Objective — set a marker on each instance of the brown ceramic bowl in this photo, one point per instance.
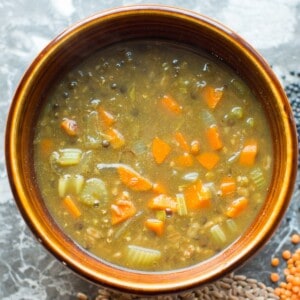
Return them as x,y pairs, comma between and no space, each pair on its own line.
138,22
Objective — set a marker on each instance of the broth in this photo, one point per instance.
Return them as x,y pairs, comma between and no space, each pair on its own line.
152,156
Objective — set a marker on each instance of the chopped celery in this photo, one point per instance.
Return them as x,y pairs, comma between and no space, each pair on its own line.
139,148
63,183
67,157
192,176
231,225
181,205
77,183
207,118
142,257
258,178
82,167
132,93
94,192
123,226
70,184
239,87
103,166
161,215
218,234
93,137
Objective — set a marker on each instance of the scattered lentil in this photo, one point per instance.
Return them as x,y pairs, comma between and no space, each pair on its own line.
286,254
275,262
274,277
295,238
289,289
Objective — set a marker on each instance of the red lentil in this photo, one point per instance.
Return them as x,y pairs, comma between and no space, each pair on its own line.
289,289
295,238
286,254
274,277
275,262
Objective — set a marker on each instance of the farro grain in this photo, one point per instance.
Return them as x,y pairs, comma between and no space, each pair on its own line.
231,287
251,280
223,285
240,277
261,285
216,294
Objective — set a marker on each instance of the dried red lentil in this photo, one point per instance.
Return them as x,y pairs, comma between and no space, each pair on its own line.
289,289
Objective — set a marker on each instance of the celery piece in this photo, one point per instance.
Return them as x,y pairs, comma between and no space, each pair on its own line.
124,225
258,178
192,176
218,234
92,135
94,192
77,183
70,184
231,225
207,118
132,92
161,215
69,156
181,205
142,257
63,185
239,87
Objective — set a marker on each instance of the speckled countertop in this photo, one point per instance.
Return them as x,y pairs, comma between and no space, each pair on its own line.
27,270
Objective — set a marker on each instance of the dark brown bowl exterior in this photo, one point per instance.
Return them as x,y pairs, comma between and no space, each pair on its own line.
146,22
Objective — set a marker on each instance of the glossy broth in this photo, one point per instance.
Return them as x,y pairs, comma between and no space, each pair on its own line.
152,156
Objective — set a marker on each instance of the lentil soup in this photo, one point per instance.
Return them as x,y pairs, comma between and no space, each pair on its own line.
152,156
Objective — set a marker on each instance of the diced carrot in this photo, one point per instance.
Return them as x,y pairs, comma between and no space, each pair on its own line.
182,142
248,153
155,225
214,138
159,188
115,137
208,159
171,104
197,196
162,201
69,126
184,160
237,207
71,206
228,186
133,180
106,117
121,211
195,147
191,194
46,147
212,96
160,150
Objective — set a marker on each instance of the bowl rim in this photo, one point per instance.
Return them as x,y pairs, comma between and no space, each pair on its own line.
123,283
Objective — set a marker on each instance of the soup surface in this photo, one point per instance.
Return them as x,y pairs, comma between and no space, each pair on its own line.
151,156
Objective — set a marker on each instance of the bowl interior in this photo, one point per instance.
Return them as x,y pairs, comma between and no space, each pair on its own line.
147,22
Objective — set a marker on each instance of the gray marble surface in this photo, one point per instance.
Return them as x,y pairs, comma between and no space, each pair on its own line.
27,270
